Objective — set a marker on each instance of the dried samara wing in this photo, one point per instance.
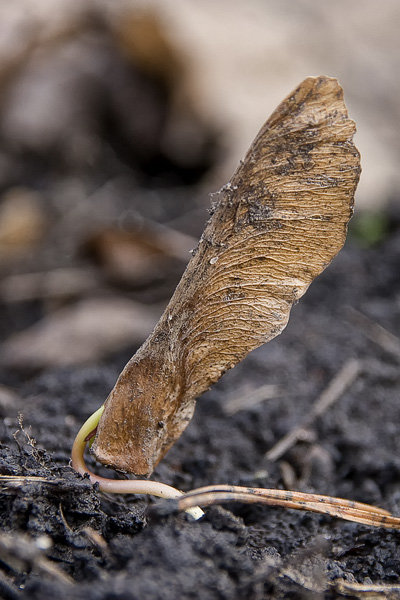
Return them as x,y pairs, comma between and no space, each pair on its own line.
275,226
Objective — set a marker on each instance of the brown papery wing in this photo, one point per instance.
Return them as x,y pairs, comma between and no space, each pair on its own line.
276,225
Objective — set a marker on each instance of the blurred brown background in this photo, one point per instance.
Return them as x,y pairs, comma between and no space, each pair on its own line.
117,119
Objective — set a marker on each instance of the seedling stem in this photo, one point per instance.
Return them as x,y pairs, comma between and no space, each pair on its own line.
218,494
119,486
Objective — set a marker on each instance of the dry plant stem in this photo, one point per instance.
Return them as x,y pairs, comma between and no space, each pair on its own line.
252,399
375,332
336,507
371,591
116,486
22,479
337,386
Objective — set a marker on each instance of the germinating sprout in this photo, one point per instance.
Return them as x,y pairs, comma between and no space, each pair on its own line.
119,486
274,227
190,502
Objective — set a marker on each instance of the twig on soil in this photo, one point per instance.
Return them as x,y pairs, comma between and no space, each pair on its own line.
252,399
371,591
175,243
337,386
18,480
96,539
21,553
63,519
375,332
48,285
349,510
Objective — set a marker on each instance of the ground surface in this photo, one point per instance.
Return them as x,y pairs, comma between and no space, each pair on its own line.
99,179
109,547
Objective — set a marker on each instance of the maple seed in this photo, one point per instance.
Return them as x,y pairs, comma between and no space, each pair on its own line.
275,226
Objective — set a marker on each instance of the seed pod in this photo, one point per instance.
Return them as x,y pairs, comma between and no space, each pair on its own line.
275,226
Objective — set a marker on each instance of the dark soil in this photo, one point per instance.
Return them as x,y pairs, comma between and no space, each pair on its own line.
114,547
60,537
